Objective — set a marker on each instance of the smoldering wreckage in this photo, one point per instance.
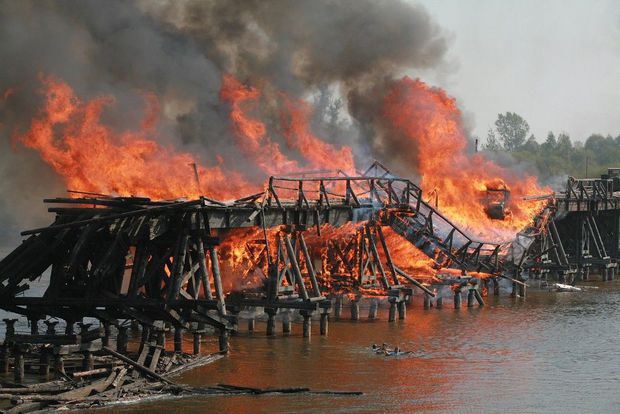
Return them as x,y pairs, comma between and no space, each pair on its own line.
153,250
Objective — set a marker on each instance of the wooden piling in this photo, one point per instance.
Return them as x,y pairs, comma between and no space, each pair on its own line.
457,299
478,297
107,333
4,359
392,313
427,301
355,309
470,298
307,331
286,322
217,278
251,324
271,322
51,327
338,307
224,341
402,310
146,333
18,365
59,364
496,286
178,339
34,326
88,361
372,310
10,326
324,323
44,361
196,343
121,339
69,329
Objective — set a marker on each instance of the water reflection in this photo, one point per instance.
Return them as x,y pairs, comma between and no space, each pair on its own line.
554,352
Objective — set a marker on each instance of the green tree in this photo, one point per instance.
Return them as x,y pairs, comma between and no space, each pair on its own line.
512,130
531,145
492,143
550,143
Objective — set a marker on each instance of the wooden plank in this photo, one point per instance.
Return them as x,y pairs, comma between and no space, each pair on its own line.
137,366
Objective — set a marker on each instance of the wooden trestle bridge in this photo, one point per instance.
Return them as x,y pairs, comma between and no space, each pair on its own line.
131,258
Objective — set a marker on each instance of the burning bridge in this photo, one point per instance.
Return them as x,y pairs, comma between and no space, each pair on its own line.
580,234
133,258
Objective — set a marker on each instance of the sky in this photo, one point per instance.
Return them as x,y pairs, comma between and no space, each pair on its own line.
555,63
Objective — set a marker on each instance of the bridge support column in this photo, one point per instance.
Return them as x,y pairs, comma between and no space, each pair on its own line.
372,310
34,326
324,323
121,340
496,286
107,333
392,314
18,368
427,301
271,321
286,322
338,307
457,298
224,342
196,343
51,327
470,298
4,359
307,331
402,310
178,339
355,309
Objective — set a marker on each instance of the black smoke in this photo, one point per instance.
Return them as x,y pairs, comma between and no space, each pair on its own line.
179,50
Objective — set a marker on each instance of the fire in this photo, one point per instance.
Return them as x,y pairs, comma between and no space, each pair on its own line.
71,137
261,149
250,133
431,121
90,156
409,258
320,154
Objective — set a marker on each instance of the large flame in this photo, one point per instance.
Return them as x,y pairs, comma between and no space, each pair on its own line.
264,151
431,122
90,156
250,133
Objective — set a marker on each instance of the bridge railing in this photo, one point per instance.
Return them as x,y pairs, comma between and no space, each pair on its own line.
589,188
391,193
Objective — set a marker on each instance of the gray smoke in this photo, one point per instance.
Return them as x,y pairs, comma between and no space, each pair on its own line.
179,50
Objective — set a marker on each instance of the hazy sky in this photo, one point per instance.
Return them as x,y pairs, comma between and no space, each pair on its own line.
556,63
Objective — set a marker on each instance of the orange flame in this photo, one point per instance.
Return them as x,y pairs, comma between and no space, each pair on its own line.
252,134
91,157
431,121
319,153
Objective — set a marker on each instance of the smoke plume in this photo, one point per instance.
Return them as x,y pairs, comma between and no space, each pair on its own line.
180,51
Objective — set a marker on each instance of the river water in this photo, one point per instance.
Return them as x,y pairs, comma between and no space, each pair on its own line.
553,352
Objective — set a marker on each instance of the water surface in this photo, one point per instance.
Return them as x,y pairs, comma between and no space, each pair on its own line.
553,352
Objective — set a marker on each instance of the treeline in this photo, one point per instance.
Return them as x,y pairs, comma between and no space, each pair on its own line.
557,155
